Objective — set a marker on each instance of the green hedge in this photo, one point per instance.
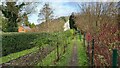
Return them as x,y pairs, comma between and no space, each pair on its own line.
15,42
58,38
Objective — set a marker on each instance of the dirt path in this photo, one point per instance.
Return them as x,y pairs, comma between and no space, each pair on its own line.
73,60
30,59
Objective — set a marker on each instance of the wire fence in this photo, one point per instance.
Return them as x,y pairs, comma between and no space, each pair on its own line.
101,51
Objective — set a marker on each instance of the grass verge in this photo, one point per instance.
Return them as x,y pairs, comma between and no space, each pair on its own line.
82,56
13,56
64,60
49,60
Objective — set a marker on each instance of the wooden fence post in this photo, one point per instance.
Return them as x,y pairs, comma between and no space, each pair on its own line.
93,52
64,49
57,52
114,58
84,39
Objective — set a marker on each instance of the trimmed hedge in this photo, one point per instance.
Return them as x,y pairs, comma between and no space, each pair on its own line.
15,42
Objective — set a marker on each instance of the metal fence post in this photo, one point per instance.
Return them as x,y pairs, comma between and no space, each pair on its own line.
80,35
93,52
114,58
88,51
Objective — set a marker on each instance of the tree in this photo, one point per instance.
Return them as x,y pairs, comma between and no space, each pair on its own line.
3,23
99,18
10,11
95,14
25,20
15,13
46,13
0,21
28,9
64,19
32,25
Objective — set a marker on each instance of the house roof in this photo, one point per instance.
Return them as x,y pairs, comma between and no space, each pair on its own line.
26,27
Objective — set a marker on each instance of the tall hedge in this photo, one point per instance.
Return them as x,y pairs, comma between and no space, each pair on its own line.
15,42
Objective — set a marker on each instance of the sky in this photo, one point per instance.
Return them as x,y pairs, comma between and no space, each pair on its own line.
62,7
59,8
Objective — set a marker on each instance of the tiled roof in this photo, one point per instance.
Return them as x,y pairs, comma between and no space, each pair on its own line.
26,27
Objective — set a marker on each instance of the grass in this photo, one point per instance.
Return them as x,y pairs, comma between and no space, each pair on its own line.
13,56
50,59
82,56
64,60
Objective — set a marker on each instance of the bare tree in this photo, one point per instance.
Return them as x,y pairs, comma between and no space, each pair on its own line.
94,14
100,19
46,13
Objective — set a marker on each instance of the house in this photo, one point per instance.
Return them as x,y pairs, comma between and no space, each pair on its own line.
24,29
66,26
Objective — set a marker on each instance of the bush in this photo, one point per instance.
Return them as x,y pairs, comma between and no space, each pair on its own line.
59,38
15,42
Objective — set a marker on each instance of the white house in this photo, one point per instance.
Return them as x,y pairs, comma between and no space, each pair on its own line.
66,26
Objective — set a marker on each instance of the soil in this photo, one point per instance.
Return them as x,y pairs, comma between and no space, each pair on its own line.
30,59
